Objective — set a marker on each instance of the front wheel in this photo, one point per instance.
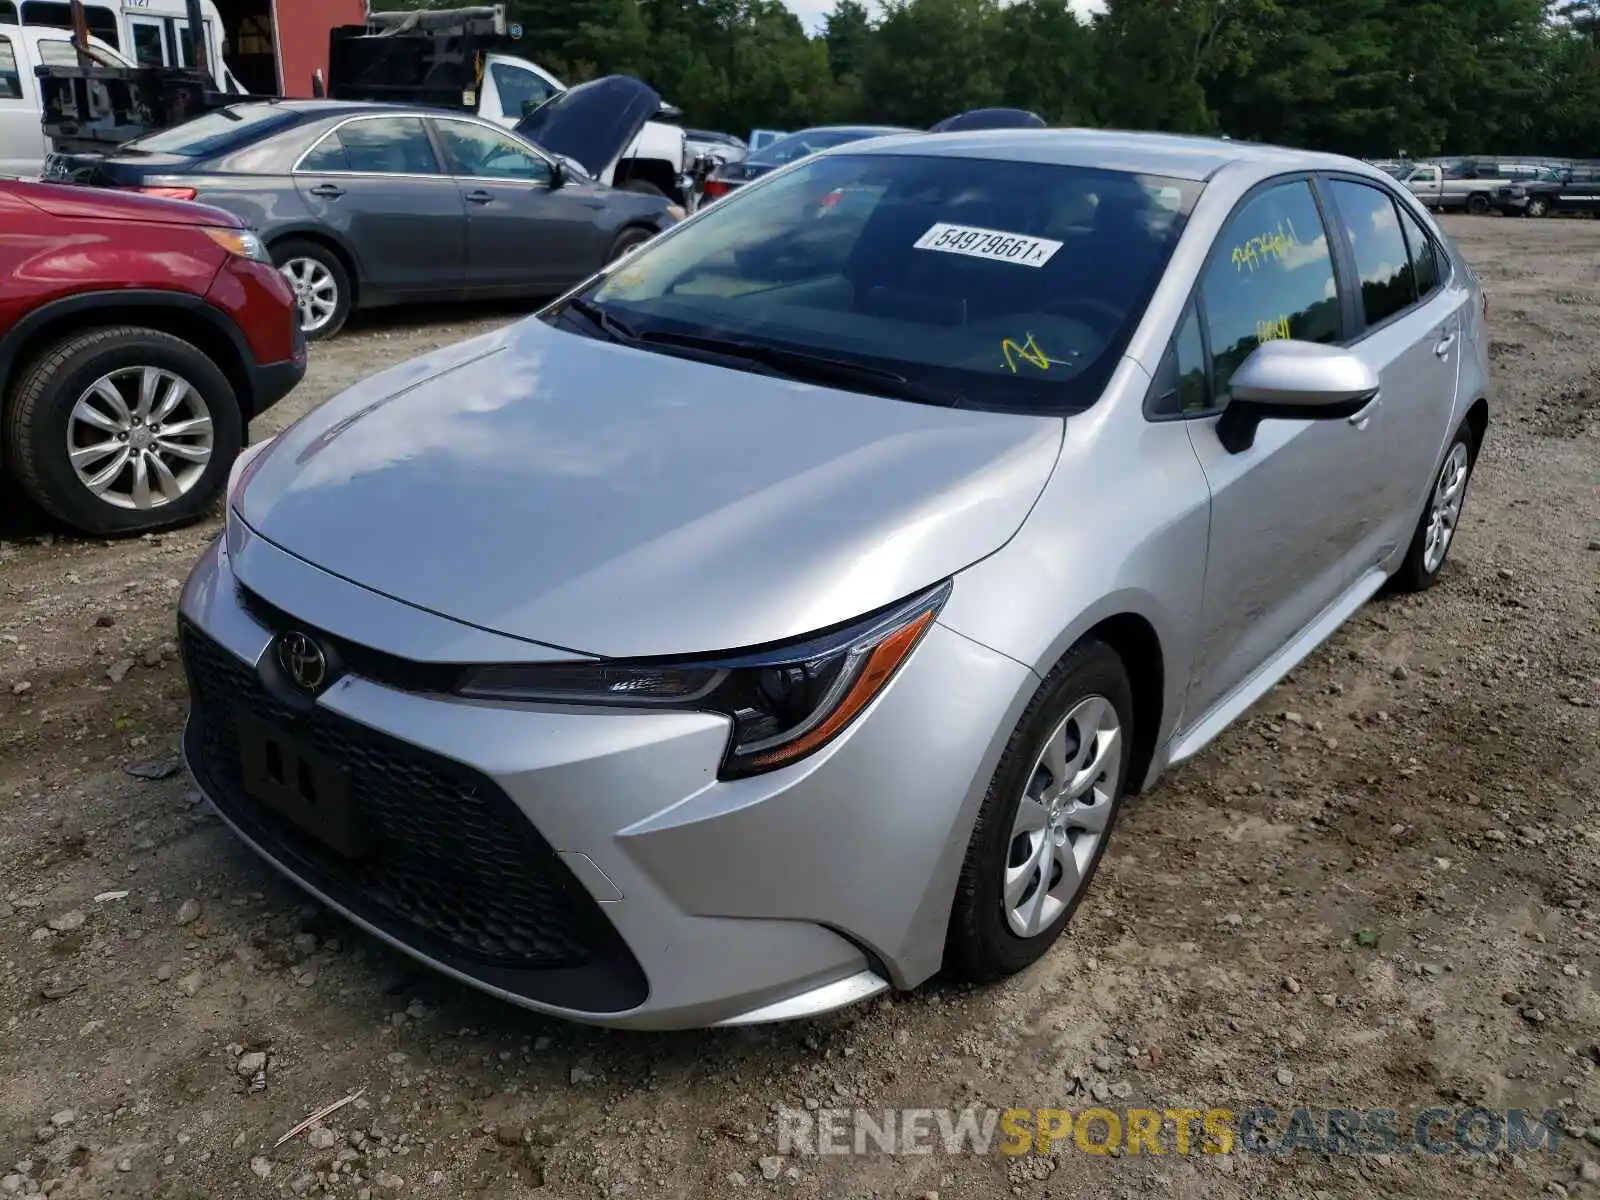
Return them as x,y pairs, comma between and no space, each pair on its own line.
122,430
1537,207
628,240
1045,822
322,290
1436,529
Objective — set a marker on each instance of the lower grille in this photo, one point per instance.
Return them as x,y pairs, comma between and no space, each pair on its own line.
451,867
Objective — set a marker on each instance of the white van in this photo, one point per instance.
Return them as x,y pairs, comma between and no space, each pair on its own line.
22,140
151,33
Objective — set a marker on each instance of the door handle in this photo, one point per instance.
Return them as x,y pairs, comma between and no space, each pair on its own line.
479,197
1442,346
327,191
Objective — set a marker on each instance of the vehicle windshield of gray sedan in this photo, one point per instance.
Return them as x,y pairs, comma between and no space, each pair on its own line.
986,284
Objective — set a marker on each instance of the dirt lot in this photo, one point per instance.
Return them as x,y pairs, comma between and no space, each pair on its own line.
1380,890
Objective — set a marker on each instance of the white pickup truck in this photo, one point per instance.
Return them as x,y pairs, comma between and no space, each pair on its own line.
22,48
1472,186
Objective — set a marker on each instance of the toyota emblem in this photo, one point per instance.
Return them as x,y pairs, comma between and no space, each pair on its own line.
302,661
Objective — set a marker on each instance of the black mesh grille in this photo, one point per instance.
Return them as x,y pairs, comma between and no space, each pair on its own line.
451,866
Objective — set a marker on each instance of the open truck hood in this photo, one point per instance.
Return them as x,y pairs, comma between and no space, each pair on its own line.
594,122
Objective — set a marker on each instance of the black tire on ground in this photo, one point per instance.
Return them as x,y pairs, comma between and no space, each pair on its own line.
289,250
1538,206
1414,574
1477,204
37,416
981,945
644,187
627,240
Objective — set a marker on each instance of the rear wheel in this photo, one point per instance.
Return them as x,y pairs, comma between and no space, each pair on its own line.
321,286
122,430
1436,529
1044,825
1477,204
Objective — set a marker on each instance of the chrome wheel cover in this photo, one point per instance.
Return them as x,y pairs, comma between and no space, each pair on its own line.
140,437
1062,817
316,292
1444,510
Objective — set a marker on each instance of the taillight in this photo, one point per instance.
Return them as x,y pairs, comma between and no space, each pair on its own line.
715,188
168,193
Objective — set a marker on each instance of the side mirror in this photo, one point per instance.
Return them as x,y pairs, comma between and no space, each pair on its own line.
558,174
1293,381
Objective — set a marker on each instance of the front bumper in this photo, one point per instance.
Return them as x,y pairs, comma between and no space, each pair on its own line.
598,869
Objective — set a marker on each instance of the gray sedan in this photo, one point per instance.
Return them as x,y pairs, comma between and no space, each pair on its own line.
787,612
364,205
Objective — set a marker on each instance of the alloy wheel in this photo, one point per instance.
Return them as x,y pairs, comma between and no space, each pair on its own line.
1062,816
316,292
140,437
1445,508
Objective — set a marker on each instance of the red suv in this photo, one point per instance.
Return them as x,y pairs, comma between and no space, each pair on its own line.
138,337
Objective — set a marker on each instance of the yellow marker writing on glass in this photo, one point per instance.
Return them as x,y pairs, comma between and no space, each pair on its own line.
1028,352
1272,331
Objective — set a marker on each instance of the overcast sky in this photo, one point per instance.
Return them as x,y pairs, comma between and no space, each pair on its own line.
811,12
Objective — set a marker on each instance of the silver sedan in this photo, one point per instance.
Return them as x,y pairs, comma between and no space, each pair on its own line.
786,612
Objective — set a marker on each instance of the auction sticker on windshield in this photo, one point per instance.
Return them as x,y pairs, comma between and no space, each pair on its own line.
993,244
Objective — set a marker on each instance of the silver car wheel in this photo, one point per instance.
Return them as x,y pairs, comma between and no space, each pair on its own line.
1445,508
1062,816
316,292
140,437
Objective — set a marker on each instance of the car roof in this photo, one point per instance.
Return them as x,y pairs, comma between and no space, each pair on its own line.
314,109
1178,156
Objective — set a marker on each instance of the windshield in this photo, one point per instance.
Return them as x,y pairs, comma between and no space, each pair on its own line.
216,131
999,284
797,145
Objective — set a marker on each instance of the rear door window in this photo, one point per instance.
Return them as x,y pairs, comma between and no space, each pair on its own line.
1270,277
1425,262
1382,263
375,146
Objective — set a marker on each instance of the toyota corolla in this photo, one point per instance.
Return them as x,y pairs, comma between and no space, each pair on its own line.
785,613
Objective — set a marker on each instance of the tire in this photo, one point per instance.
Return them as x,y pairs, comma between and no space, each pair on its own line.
644,187
313,270
1423,562
40,424
983,944
1477,204
626,240
1537,206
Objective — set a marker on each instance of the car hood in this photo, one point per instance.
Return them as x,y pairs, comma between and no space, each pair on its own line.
593,122
610,501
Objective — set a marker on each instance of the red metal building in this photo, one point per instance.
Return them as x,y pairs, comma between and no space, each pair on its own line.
300,30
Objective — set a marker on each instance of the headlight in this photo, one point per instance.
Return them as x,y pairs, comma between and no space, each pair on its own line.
785,703
241,243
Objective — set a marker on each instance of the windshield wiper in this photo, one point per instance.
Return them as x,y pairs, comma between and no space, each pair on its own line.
617,331
812,368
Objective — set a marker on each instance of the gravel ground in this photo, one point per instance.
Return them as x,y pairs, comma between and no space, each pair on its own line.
1377,890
